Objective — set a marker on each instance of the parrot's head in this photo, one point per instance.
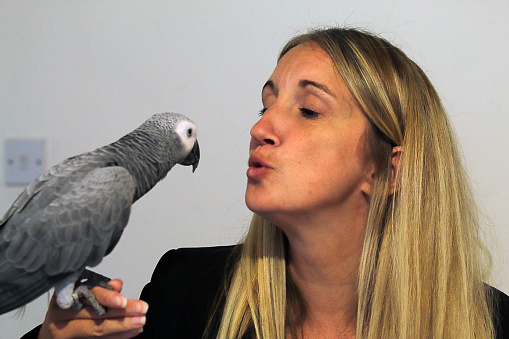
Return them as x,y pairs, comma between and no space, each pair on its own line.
179,134
186,130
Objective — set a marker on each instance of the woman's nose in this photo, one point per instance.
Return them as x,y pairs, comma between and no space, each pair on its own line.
264,132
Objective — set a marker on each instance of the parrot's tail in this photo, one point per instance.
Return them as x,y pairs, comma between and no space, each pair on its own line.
18,289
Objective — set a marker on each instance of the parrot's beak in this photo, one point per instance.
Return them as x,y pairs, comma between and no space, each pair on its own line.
193,158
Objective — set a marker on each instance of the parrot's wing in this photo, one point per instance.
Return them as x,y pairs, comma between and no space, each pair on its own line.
54,182
77,229
45,180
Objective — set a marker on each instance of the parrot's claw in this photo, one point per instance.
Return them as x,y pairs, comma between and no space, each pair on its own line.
85,293
87,281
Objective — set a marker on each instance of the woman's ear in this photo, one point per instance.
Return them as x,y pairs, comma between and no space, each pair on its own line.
367,187
395,157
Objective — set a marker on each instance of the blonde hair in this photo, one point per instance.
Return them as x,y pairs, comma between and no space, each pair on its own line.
423,264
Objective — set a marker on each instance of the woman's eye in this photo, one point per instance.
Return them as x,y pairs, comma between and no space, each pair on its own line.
309,114
260,113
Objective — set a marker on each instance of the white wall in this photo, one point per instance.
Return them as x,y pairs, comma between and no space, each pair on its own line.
83,73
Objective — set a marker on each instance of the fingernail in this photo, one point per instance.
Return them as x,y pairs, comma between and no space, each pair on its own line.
120,301
139,320
143,307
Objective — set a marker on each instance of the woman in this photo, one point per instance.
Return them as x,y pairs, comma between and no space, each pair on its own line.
364,223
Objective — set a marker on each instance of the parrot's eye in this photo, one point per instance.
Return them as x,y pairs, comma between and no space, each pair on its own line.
189,132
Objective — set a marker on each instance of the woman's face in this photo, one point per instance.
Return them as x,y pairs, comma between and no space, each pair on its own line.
307,150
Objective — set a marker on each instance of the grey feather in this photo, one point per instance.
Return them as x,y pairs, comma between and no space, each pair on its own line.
73,215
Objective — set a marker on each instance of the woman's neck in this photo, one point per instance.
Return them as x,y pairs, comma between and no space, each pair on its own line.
323,263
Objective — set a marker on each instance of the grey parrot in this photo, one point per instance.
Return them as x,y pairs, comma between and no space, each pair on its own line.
73,215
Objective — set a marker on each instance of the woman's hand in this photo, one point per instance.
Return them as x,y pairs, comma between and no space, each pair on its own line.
123,319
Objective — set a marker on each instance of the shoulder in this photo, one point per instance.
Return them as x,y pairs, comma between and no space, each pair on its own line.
191,261
185,289
500,313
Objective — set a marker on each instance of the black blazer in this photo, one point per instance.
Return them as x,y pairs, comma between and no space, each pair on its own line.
185,288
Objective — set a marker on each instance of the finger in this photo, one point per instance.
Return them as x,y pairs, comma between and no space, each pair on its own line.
116,284
109,298
133,308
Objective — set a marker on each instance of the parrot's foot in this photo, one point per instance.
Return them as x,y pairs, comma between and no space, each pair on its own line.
86,282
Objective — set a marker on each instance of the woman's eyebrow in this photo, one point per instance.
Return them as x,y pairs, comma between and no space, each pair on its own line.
302,84
305,83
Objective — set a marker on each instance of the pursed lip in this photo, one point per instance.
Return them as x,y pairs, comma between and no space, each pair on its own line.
257,167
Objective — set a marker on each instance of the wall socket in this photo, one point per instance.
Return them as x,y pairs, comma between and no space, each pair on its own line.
25,160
